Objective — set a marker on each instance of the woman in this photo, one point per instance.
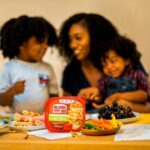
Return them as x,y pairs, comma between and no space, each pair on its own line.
81,36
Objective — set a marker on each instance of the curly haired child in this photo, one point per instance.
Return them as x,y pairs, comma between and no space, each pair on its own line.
121,82
26,82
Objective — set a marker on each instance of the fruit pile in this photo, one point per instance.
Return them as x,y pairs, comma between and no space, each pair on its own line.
119,111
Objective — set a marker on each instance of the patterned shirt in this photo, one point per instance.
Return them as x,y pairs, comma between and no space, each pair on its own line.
131,80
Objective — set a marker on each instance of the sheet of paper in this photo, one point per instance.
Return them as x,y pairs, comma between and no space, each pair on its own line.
133,132
49,135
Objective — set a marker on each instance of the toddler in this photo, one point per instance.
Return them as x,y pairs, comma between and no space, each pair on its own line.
121,82
26,82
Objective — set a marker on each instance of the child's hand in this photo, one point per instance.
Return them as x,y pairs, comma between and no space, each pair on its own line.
112,98
18,87
91,93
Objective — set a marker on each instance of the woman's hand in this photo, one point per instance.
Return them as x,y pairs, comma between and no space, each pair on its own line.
98,105
91,94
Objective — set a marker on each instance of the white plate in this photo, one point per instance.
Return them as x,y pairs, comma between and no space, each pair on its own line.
2,126
30,128
132,119
92,116
126,120
7,115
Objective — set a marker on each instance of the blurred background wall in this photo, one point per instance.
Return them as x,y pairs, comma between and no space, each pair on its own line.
131,17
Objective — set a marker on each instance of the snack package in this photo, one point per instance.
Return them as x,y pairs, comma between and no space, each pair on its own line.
65,114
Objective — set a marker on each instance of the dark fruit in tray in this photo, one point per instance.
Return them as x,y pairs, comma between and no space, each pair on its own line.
119,111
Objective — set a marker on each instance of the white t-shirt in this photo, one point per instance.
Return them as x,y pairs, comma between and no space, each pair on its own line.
40,82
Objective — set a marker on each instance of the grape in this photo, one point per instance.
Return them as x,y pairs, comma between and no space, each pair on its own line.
119,111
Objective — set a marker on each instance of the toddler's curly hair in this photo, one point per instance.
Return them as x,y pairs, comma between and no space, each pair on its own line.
16,31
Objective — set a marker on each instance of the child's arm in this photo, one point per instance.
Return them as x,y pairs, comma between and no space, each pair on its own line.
134,96
138,96
137,107
53,86
6,98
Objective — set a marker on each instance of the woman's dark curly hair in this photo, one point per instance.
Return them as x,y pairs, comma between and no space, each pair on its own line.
16,31
100,30
122,46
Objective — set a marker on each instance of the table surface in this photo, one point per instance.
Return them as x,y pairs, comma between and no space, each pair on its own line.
18,141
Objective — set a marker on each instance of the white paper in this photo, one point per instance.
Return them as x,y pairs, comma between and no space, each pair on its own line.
92,116
49,135
133,132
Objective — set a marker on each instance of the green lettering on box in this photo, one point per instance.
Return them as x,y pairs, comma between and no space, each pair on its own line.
59,118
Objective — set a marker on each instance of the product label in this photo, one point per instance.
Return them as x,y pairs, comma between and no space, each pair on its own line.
65,114
59,108
54,117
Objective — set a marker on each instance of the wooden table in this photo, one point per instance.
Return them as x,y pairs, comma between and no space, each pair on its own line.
17,141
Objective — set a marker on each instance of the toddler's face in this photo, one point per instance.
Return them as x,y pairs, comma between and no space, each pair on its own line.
33,50
79,41
114,65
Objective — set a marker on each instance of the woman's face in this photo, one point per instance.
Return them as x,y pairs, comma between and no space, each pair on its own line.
79,41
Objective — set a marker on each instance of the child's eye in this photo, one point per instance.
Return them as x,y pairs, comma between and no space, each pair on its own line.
104,65
78,38
113,61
